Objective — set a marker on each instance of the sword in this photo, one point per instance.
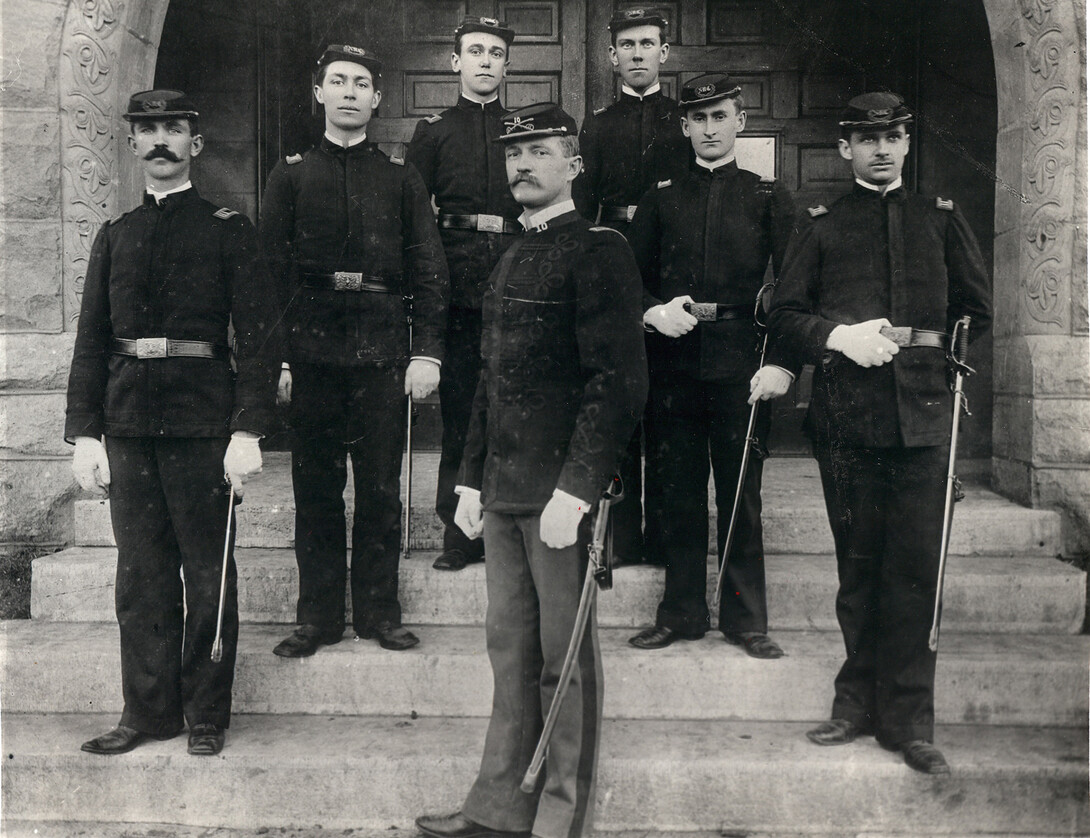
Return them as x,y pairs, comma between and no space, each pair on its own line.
217,644
959,346
751,442
408,510
599,575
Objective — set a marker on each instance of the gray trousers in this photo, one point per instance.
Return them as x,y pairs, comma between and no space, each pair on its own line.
533,597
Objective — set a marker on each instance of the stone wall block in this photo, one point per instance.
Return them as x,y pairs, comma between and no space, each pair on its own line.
30,187
30,298
33,424
1008,187
1013,479
1012,428
1061,432
36,500
1061,365
30,36
1069,491
1012,367
31,361
1008,313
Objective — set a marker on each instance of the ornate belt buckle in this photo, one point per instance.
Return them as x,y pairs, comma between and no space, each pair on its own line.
347,281
489,224
701,311
630,211
900,335
151,347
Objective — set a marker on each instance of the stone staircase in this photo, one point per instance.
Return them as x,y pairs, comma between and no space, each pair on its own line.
698,737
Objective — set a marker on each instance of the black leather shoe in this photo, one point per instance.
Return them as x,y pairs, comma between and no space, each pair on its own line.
924,757
389,636
757,644
121,740
305,641
459,826
455,559
834,732
206,740
659,637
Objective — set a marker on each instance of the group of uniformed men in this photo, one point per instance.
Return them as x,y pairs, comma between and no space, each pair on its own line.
555,299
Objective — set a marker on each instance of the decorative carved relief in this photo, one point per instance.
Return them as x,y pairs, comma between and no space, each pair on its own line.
88,80
1048,163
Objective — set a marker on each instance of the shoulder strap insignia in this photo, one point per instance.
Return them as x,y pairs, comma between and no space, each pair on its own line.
662,184
397,161
602,109
944,204
767,179
292,159
435,117
606,230
223,212
818,211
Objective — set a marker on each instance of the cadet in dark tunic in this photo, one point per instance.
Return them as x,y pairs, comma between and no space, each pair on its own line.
880,416
350,234
707,237
463,169
151,375
563,384
627,148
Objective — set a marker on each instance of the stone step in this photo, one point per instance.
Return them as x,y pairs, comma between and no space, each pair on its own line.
1015,594
984,679
794,514
330,772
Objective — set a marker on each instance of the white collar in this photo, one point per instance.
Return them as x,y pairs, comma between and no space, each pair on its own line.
158,196
472,97
337,142
875,188
718,164
628,91
529,221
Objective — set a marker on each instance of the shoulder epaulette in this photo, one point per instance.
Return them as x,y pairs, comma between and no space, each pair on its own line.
818,211
223,212
292,159
435,117
662,184
944,204
397,161
602,109
767,179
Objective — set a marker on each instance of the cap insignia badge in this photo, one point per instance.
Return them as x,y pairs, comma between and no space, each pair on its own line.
351,50
705,90
879,114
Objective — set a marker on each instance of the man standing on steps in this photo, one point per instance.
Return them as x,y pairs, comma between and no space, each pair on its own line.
563,384
707,237
880,415
627,148
464,171
351,237
158,418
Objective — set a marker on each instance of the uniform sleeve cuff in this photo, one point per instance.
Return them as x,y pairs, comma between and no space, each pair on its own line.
435,361
466,490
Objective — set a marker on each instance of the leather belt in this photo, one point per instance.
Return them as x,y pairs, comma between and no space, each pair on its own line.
167,348
719,311
479,222
907,338
349,281
617,213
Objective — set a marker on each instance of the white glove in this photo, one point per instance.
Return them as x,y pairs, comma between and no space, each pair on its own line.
91,465
862,343
421,378
242,459
670,318
769,382
283,389
560,519
469,516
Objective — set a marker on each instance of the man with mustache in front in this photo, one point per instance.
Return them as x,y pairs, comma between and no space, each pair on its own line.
563,383
158,417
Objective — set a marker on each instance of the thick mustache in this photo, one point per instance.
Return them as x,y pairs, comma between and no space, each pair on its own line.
517,179
165,153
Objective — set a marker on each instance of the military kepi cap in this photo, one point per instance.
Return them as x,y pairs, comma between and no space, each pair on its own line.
347,52
545,119
875,110
710,87
160,104
627,18
485,24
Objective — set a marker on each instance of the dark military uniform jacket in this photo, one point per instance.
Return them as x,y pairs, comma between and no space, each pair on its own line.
911,259
565,374
465,171
627,148
709,234
336,209
183,271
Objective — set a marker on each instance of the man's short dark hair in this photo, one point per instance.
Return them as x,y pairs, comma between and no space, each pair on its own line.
613,35
194,125
458,43
319,77
846,131
738,99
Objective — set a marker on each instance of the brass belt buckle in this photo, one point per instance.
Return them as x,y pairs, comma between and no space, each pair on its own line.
347,281
489,223
630,211
151,347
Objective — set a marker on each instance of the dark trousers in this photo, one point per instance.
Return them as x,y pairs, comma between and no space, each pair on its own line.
533,598
169,507
340,412
885,509
626,517
457,384
686,419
